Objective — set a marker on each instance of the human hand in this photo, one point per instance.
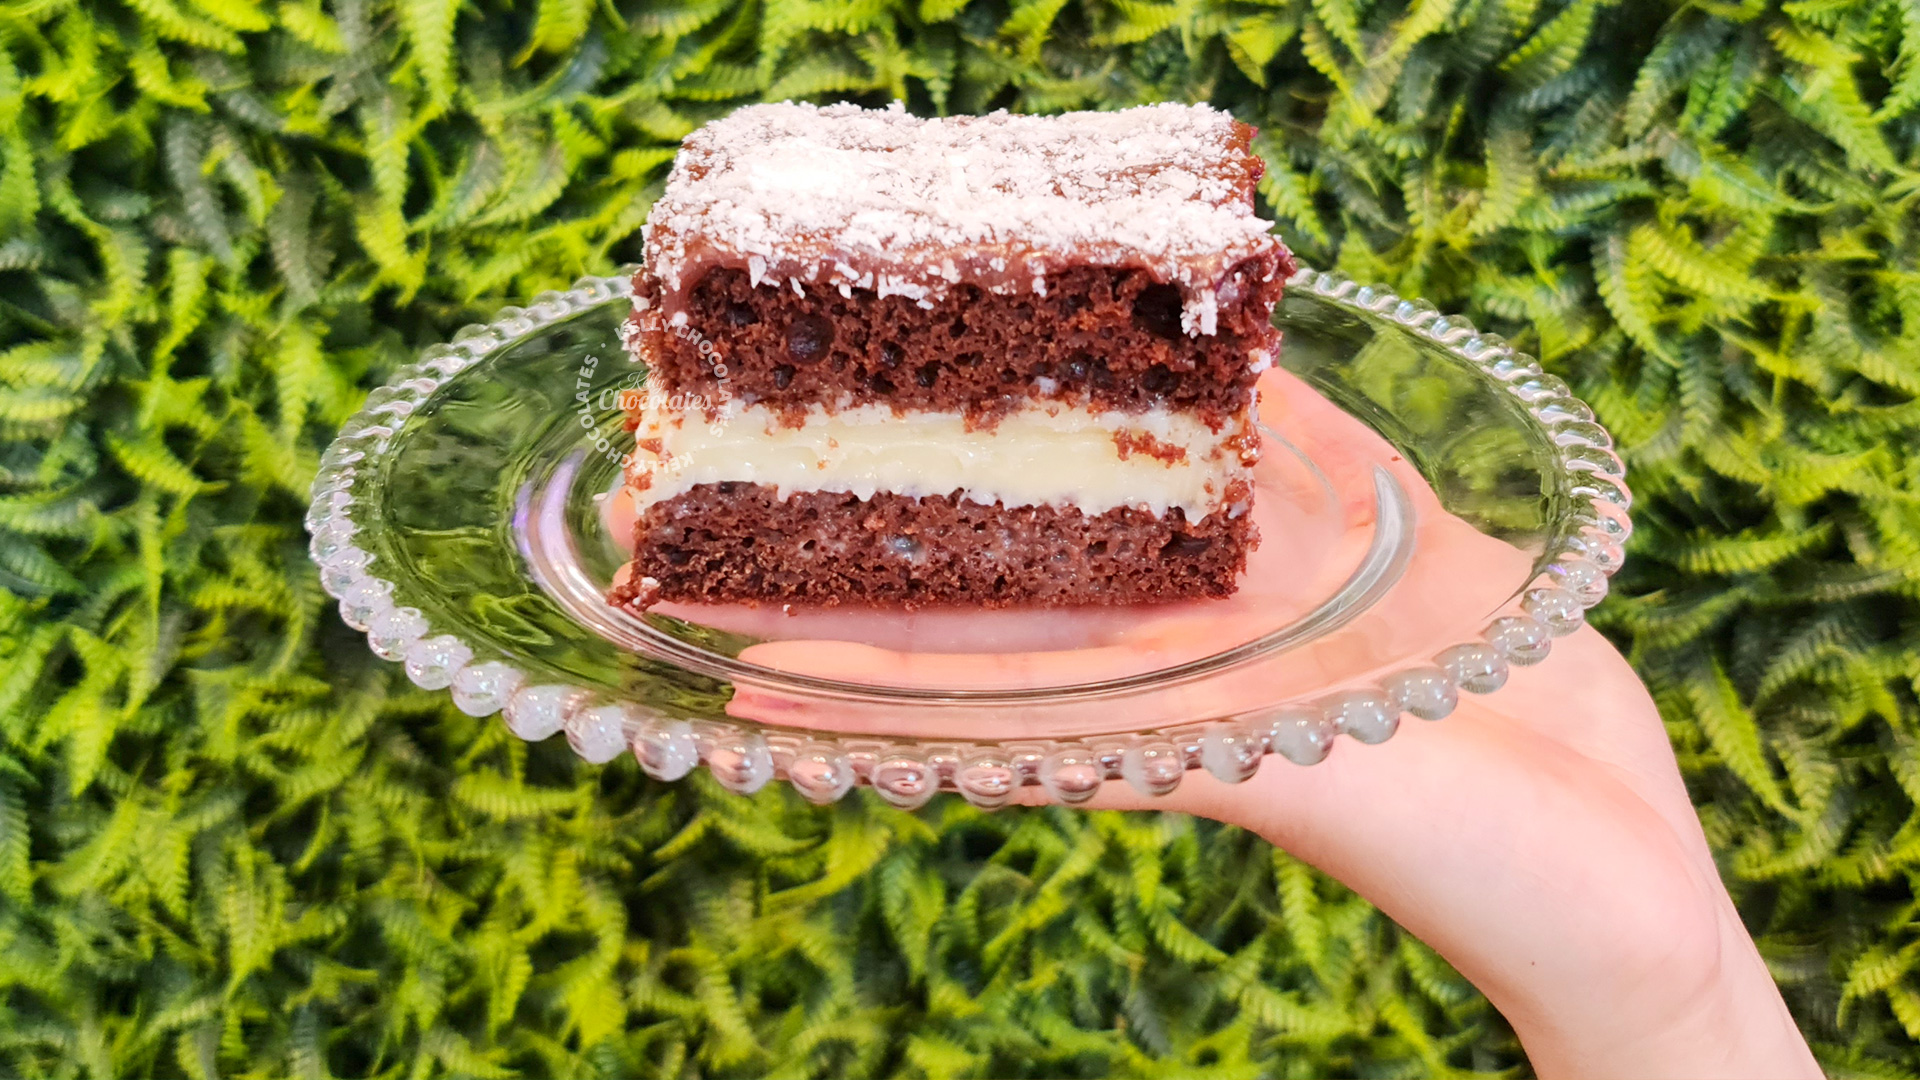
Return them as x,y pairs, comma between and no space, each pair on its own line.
1540,838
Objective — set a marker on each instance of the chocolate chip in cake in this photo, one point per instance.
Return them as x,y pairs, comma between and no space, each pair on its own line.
808,339
782,377
927,374
1157,310
1159,380
741,315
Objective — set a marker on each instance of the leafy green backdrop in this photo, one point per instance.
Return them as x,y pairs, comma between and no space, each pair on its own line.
231,843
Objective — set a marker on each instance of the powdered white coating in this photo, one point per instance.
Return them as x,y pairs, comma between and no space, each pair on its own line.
884,200
630,330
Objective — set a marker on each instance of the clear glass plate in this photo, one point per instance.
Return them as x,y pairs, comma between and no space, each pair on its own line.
462,519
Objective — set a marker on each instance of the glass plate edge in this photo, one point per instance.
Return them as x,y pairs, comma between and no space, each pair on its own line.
823,767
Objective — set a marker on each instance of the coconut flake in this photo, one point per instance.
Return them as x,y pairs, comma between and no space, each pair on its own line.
919,205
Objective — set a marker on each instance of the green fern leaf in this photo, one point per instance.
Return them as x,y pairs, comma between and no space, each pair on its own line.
1138,21
1747,552
509,800
26,568
1905,94
312,27
540,179
16,843
1733,733
558,26
1685,44
1255,40
1690,266
241,15
38,405
51,514
149,461
185,150
169,22
1552,49
20,191
673,21
1510,180
1829,98
1733,81
1342,23
1628,299
429,26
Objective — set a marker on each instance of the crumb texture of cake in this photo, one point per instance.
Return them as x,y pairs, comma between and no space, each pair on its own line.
1104,337
982,360
722,543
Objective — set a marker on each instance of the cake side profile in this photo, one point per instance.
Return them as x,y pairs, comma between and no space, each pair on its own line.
990,360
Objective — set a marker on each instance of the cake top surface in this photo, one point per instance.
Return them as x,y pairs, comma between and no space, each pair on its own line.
887,200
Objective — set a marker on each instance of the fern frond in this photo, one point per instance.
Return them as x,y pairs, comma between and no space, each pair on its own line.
185,151
1828,97
26,568
1255,40
311,26
1552,49
672,21
1342,23
172,24
1905,94
819,74
1747,552
1733,732
1684,45
558,26
1138,21
1681,258
1510,180
1622,286
149,461
429,26
62,514
1029,23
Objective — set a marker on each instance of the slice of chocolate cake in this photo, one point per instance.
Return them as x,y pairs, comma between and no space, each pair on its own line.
989,360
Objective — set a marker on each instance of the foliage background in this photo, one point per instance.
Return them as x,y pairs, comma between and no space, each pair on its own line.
231,843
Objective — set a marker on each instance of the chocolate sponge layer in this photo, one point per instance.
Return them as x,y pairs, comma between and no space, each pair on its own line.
741,542
1109,337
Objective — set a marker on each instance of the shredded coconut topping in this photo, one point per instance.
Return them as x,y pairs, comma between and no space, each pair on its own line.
884,200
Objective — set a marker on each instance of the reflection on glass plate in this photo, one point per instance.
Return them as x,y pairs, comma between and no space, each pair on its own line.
460,521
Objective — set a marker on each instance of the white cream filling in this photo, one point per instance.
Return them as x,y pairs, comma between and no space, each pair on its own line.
1039,455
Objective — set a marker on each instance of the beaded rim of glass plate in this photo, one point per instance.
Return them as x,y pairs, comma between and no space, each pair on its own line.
744,757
